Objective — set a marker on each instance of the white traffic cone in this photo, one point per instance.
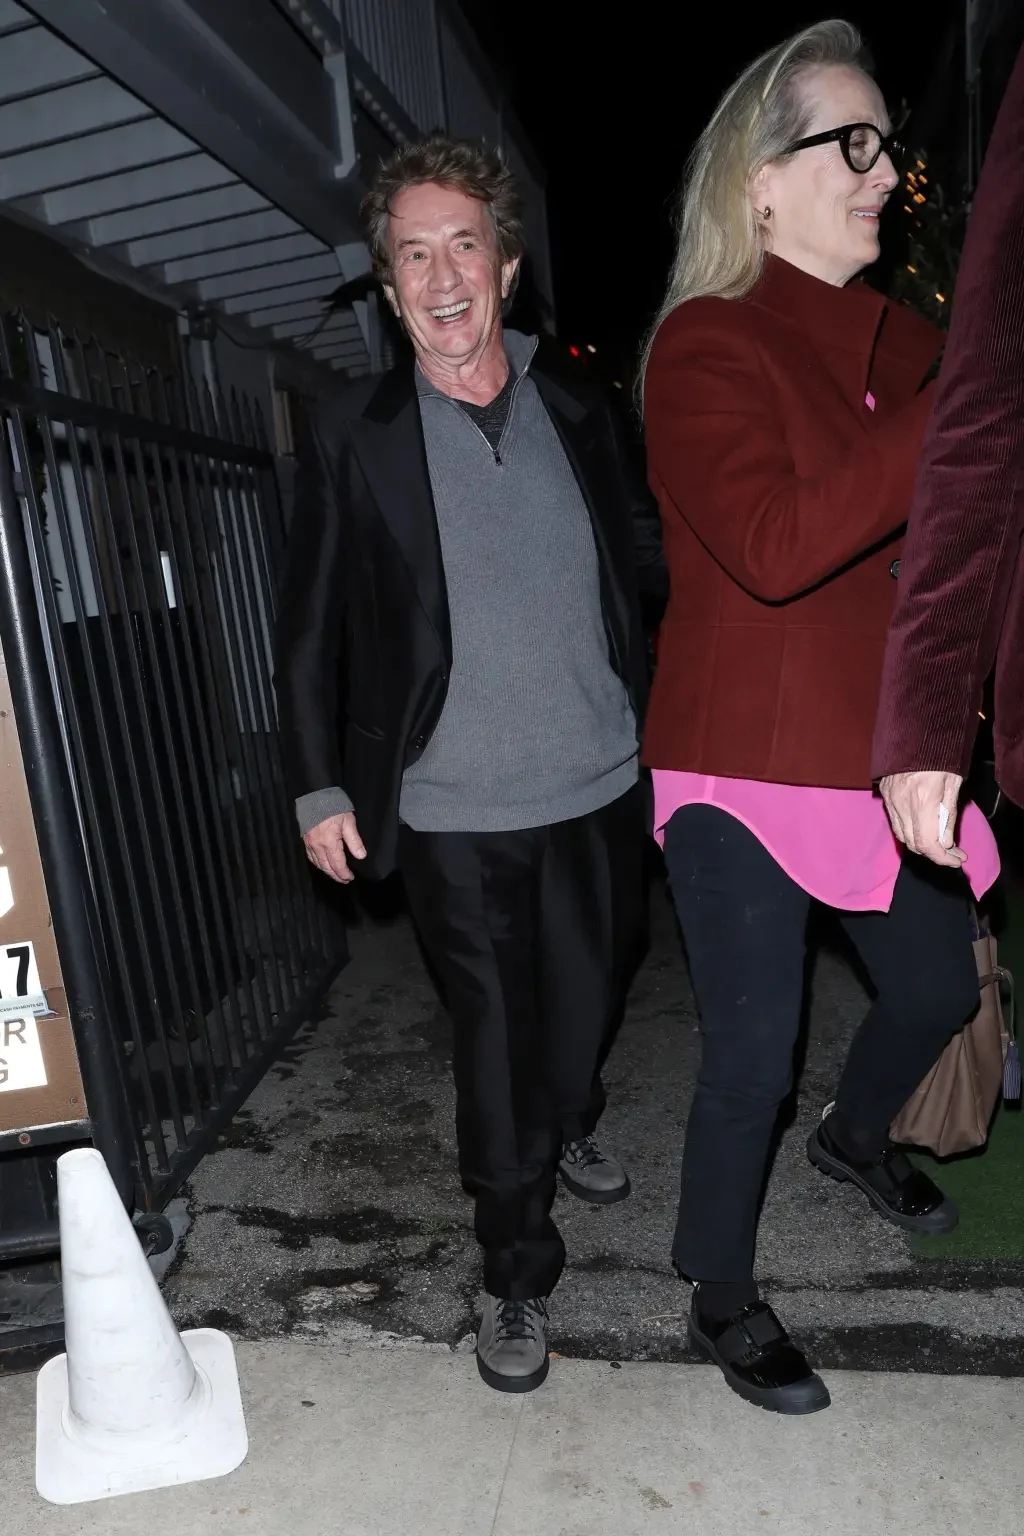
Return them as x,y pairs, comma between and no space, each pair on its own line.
133,1404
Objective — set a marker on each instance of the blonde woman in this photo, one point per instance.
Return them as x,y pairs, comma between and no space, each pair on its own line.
785,404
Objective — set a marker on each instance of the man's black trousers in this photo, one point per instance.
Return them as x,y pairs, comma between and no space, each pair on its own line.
532,935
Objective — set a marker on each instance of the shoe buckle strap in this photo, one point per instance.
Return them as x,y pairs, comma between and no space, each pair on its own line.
752,1335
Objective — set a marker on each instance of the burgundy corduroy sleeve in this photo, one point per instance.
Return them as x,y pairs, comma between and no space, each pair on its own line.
967,518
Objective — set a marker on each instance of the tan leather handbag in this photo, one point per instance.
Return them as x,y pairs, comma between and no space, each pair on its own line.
952,1109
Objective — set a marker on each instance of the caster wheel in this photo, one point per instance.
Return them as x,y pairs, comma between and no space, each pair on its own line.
155,1233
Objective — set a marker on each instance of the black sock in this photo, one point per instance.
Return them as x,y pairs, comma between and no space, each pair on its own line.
862,1144
721,1298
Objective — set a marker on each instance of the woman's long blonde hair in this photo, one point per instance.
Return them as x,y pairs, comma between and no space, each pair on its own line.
719,245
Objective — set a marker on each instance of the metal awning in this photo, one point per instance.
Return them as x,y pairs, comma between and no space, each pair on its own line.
91,163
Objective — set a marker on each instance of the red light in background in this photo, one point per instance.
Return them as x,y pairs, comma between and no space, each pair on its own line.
574,351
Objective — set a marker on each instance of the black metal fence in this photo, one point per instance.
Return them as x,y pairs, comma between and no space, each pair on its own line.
144,530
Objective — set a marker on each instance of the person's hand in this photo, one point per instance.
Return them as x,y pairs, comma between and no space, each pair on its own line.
913,802
331,843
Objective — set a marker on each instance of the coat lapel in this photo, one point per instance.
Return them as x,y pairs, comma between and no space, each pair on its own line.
579,430
388,443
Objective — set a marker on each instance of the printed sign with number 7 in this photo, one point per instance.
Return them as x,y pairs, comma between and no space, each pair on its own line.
20,987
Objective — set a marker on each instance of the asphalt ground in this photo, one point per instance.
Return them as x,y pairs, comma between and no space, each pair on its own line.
331,1207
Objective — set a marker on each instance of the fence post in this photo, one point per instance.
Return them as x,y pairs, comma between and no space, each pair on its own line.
60,846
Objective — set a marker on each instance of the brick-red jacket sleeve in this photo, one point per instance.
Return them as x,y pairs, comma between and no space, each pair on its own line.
716,444
967,518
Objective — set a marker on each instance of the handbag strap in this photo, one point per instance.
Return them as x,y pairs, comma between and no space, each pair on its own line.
1000,977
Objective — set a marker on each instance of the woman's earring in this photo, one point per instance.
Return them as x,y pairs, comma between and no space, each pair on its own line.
766,212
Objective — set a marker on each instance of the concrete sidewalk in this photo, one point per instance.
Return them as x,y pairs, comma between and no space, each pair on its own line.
360,1440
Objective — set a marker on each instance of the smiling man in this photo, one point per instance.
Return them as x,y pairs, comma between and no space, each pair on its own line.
460,674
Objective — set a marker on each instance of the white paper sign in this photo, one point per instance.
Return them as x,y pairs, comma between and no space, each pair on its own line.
20,987
21,1059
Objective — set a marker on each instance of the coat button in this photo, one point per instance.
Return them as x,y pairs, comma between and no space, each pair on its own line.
894,570
418,743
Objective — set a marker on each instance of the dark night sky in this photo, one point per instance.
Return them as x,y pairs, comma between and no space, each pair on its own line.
612,96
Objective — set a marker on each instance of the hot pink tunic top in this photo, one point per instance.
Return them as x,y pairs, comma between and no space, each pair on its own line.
835,843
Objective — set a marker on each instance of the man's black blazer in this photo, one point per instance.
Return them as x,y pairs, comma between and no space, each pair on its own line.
363,635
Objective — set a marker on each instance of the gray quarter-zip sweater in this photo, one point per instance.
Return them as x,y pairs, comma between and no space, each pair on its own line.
536,726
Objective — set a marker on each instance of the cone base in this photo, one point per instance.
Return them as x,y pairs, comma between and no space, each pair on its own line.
71,1470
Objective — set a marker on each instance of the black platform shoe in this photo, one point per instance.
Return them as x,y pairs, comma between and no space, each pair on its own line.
758,1359
898,1191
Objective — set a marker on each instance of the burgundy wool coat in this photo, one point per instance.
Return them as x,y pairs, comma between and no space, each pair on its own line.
783,432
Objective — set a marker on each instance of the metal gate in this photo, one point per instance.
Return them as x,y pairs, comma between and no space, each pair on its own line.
142,529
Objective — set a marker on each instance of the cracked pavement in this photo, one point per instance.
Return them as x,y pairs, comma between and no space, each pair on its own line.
331,1206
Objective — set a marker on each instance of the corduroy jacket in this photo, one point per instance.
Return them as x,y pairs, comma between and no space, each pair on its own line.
961,599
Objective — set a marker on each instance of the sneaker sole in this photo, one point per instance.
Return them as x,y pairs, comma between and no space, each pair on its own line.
810,1397
502,1383
943,1219
595,1196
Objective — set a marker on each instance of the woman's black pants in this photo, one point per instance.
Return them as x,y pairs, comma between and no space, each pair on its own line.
744,923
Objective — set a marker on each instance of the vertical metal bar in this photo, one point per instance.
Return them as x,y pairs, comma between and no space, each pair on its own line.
124,728
247,535
442,76
150,756
196,537
199,497
374,28
269,504
149,742
251,718
63,689
96,705
200,793
41,570
250,844
216,711
53,808
389,67
254,704
267,514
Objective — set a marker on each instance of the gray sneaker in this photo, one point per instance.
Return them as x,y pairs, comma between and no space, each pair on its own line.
512,1345
591,1175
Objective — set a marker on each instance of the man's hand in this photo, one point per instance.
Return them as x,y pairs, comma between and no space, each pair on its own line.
914,802
329,844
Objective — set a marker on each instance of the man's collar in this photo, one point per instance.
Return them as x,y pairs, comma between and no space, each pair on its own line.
519,350
400,385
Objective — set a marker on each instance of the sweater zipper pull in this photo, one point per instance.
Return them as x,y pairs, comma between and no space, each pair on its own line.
497,457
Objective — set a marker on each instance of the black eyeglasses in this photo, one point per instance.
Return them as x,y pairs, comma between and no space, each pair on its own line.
861,144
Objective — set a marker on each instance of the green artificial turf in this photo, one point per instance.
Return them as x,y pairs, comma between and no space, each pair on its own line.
988,1185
